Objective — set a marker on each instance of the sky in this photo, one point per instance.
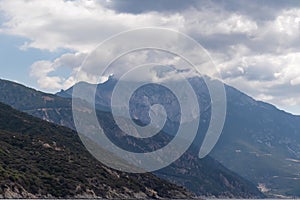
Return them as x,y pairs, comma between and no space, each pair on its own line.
255,44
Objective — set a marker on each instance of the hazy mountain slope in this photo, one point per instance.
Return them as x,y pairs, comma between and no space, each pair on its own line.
45,106
39,159
203,176
259,142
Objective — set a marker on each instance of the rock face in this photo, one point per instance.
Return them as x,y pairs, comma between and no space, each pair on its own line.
15,191
204,177
42,160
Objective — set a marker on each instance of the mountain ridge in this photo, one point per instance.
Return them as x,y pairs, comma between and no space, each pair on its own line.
254,131
243,188
43,160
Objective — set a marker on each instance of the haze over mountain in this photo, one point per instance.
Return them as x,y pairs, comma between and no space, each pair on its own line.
259,141
252,46
44,160
203,177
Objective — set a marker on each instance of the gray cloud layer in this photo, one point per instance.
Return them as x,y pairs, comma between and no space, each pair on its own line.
255,44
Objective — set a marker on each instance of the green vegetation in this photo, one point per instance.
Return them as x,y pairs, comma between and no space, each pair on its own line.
46,159
203,177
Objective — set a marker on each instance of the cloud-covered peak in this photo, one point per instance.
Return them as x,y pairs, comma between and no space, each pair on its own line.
254,44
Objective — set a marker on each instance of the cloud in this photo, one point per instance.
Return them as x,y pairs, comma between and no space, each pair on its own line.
140,6
78,25
206,22
255,44
272,78
41,70
255,8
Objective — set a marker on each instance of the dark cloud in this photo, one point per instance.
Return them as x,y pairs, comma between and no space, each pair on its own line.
260,73
220,42
257,9
255,43
141,6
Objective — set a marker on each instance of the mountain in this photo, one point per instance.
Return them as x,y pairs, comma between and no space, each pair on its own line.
48,107
204,177
42,160
262,143
259,141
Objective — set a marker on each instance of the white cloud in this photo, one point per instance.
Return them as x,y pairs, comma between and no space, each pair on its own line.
257,54
208,22
271,78
264,97
280,35
77,25
41,71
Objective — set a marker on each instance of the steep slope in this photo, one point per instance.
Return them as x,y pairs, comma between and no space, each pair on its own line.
45,106
40,159
204,177
259,141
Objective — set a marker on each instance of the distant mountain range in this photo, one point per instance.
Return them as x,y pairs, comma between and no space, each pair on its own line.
204,177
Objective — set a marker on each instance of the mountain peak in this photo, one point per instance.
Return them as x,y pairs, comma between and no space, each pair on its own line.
197,175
